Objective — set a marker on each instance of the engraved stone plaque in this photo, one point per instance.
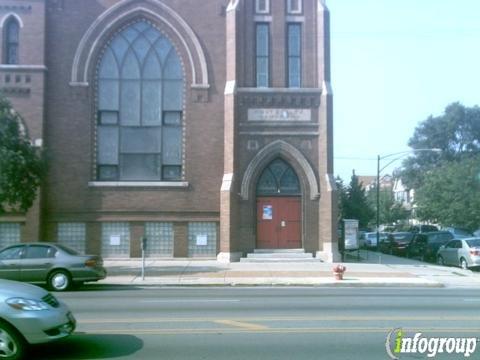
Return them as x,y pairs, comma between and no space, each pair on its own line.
279,115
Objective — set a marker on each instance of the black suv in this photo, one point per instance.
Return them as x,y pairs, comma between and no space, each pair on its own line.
426,245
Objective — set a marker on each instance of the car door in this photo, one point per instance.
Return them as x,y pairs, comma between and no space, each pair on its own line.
37,262
418,245
10,259
449,253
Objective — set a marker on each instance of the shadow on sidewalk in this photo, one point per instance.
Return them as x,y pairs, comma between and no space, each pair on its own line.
156,270
364,256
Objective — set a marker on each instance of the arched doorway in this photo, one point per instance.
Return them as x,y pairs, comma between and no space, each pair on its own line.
278,207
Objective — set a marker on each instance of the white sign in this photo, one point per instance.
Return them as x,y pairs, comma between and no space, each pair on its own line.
267,212
202,240
351,234
279,115
115,240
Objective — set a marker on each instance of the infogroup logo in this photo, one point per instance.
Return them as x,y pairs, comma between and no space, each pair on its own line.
398,343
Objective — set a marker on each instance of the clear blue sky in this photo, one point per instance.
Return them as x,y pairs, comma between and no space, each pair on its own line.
394,63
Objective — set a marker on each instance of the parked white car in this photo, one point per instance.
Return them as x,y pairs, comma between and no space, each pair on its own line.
460,252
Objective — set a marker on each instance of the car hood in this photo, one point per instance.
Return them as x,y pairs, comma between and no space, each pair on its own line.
10,289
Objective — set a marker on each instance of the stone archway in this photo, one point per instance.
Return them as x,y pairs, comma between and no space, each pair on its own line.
288,152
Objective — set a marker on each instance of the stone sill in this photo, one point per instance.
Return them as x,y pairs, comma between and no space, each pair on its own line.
143,184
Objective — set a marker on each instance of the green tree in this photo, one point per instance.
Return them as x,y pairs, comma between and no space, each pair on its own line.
354,204
450,194
341,197
391,212
21,166
456,133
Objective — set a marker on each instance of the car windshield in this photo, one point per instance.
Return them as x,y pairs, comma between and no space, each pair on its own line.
440,238
473,243
461,232
403,236
68,250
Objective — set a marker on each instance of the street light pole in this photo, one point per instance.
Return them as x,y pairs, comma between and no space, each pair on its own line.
378,201
379,170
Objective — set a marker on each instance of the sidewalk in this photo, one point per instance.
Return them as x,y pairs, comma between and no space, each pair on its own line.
370,270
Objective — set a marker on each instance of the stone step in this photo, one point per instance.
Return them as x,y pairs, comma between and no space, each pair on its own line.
279,260
278,251
280,255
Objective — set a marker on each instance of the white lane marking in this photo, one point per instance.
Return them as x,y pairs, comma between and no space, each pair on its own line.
189,301
472,300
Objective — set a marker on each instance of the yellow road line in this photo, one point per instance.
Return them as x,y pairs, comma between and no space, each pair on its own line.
257,319
244,325
272,331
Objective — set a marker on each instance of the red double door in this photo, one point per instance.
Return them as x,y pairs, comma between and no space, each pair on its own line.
278,223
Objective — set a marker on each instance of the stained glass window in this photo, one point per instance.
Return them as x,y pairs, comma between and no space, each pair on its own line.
262,55
294,55
278,178
140,104
12,32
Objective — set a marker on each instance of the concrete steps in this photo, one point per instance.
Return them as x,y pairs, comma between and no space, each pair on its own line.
279,255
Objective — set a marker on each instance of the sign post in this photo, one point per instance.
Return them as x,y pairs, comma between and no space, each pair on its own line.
144,248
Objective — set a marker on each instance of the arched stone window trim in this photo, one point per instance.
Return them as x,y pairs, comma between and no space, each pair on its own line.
8,16
155,10
290,154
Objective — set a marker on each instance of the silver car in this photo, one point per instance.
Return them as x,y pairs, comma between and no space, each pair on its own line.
460,252
58,266
30,315
371,239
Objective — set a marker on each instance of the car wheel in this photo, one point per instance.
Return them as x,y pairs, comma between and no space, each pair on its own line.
463,264
440,261
12,345
59,280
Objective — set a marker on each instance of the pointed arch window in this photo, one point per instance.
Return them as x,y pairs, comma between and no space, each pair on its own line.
12,41
140,103
278,178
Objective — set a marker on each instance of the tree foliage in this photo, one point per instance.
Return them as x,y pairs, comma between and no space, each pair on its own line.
450,194
21,167
391,212
353,202
447,183
456,133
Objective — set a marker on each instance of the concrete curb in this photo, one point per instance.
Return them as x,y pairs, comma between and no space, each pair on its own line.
371,282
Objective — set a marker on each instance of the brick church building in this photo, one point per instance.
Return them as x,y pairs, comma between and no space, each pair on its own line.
203,125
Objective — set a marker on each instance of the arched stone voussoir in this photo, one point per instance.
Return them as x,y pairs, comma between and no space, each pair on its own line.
114,16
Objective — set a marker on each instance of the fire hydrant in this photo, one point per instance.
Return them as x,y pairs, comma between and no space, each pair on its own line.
338,271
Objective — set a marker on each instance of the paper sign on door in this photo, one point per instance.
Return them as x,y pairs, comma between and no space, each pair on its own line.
267,212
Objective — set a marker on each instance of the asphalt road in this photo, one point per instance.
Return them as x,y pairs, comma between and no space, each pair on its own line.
258,323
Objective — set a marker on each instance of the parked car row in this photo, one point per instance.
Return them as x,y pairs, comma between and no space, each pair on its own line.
442,247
